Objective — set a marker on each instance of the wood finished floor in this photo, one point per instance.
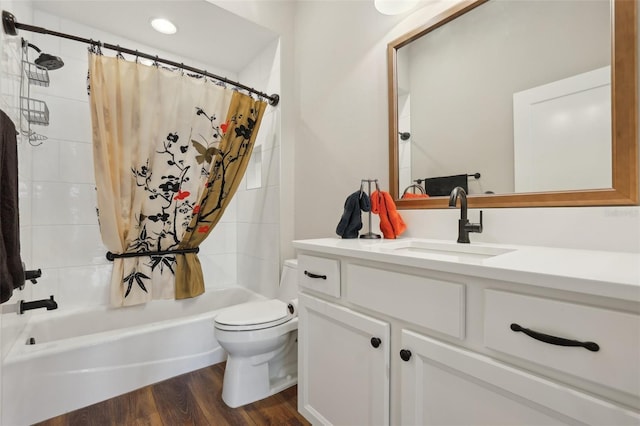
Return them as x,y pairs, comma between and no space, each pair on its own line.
190,399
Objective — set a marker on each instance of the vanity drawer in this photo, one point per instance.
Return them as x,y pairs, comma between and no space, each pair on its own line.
616,362
434,304
319,274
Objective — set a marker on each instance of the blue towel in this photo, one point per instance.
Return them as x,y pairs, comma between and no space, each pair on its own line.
351,220
11,271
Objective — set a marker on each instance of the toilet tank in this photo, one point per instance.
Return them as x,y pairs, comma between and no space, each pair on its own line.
288,281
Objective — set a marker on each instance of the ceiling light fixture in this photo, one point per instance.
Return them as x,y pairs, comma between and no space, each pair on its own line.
394,7
163,26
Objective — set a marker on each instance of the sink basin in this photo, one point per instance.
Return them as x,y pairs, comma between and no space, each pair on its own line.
437,248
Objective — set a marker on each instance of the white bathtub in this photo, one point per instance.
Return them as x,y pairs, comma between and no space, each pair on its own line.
86,356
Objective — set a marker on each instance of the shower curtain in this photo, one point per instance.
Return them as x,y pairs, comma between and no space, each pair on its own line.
169,153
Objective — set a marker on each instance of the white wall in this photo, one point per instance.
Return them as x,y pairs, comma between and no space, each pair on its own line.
341,86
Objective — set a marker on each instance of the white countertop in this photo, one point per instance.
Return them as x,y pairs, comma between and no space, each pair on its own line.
600,273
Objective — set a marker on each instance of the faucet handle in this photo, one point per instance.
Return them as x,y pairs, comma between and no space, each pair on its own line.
474,227
32,275
477,227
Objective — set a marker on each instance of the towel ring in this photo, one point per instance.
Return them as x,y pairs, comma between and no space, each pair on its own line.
414,186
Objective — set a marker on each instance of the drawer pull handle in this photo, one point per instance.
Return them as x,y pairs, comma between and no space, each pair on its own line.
553,340
405,354
312,275
375,342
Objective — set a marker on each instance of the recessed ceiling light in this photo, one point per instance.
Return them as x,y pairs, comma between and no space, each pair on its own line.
163,26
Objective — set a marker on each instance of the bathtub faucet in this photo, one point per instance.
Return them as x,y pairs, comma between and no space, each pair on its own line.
49,303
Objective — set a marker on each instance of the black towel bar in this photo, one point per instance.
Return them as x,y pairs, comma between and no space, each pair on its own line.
473,175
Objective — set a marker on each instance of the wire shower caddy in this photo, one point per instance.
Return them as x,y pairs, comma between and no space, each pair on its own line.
33,110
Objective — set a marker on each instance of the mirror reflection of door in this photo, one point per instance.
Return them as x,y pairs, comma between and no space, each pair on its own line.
562,134
456,87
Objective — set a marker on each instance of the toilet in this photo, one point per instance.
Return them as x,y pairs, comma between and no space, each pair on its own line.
261,343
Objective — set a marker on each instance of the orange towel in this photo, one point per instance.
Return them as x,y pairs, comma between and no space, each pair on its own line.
391,223
410,195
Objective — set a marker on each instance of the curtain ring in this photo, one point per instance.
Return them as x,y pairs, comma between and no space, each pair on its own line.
137,57
119,55
98,48
155,62
182,68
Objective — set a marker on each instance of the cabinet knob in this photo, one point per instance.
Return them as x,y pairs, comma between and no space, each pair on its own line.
375,342
405,354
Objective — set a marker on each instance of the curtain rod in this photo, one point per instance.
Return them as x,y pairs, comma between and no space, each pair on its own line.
10,26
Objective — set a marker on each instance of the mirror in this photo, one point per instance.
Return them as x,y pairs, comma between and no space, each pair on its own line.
520,121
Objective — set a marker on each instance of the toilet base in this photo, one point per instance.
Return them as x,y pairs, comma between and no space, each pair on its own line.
248,388
249,379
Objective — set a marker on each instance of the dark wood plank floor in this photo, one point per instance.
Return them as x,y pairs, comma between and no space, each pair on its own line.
190,399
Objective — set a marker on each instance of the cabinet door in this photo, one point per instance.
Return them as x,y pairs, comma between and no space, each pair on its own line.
343,378
445,385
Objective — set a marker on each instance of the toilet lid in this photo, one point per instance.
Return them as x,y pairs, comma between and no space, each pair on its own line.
253,315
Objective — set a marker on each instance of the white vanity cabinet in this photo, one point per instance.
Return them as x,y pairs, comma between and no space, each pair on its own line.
446,352
442,384
344,357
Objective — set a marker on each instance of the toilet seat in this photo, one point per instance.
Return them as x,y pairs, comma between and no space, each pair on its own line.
253,316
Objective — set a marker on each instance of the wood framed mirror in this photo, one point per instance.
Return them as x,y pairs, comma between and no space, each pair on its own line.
532,155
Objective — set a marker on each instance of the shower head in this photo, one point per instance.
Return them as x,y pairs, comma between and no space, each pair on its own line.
49,62
46,61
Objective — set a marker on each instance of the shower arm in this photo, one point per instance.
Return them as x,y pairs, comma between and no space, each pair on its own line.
33,46
10,26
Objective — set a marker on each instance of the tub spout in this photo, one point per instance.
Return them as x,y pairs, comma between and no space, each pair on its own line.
49,303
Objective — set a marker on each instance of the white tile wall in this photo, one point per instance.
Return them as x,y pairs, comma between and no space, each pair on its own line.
254,169
259,207
222,240
74,286
219,270
69,119
259,240
61,203
257,274
56,246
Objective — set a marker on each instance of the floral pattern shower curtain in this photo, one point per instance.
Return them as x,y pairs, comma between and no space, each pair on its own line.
169,152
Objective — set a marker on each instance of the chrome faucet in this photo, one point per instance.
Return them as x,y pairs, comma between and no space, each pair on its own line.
464,226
